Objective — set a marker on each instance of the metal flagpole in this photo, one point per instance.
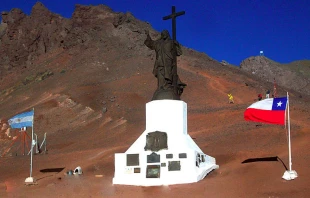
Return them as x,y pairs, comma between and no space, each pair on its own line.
289,174
289,134
31,180
31,149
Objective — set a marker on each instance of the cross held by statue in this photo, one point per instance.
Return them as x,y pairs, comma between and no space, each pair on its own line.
173,16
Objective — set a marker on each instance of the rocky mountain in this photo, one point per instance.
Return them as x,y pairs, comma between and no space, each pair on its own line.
24,38
88,79
295,76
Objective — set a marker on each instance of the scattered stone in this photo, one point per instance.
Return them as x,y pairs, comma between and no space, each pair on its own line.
104,109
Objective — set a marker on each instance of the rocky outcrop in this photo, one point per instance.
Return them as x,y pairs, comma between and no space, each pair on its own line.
270,70
88,24
23,38
27,37
223,62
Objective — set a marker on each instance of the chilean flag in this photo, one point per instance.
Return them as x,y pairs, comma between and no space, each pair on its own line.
270,110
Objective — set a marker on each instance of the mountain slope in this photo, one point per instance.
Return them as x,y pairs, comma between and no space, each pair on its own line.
294,76
89,89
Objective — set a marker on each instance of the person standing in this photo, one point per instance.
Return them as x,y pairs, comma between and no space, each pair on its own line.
260,97
230,98
267,93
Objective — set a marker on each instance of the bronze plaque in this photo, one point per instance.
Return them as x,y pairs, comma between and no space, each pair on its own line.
136,170
153,158
156,141
169,156
182,155
132,159
174,166
153,171
203,159
198,160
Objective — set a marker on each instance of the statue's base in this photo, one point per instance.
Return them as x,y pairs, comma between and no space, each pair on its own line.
181,161
168,94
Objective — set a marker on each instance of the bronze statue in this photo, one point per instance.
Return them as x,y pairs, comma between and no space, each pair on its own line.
169,85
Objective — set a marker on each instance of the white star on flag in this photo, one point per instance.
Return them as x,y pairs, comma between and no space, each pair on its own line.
279,104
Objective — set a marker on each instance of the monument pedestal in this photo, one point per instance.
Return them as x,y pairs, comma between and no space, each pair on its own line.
164,154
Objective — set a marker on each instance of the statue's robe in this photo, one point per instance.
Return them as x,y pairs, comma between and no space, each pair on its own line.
163,67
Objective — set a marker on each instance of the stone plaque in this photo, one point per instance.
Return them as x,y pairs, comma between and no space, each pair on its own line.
156,141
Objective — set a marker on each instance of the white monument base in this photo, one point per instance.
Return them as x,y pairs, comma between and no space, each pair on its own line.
181,161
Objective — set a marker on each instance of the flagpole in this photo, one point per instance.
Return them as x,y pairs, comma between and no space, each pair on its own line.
30,180
31,148
289,133
290,174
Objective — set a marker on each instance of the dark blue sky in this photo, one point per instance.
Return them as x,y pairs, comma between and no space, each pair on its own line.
230,30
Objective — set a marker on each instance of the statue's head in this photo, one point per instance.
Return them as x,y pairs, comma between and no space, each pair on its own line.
165,34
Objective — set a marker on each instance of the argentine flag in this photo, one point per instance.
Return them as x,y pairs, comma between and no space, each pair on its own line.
22,120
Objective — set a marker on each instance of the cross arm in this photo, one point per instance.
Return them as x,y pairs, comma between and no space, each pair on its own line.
173,15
